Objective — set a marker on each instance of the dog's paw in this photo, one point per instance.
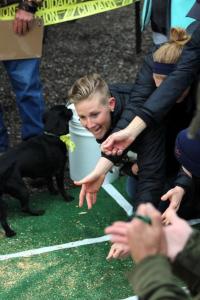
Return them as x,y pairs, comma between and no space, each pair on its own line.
10,233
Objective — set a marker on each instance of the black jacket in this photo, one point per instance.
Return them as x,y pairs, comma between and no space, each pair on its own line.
158,102
161,16
149,146
174,116
155,146
153,104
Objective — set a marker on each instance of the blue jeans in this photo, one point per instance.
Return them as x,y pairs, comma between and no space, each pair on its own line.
25,79
131,187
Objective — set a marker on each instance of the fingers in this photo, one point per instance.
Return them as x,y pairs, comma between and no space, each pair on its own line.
106,145
114,152
168,216
111,252
23,22
21,26
80,182
172,216
109,147
82,195
85,180
91,199
167,195
118,250
118,232
165,220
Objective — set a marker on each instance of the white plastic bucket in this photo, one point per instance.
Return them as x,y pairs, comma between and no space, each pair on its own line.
87,152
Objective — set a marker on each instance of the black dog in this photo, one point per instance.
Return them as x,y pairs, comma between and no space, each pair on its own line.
40,156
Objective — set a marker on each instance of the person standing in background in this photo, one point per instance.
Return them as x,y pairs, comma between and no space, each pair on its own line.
25,79
163,15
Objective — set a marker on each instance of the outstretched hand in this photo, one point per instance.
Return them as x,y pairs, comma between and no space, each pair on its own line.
90,185
149,239
143,239
175,196
177,235
118,251
117,142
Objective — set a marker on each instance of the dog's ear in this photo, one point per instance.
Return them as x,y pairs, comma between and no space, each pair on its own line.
69,113
66,113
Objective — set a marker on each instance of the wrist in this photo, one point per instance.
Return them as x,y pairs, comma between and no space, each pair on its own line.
136,127
180,190
29,5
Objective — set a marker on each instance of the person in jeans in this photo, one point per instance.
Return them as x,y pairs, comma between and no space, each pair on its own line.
25,79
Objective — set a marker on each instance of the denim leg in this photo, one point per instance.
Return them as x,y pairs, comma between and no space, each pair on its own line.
3,133
131,187
26,83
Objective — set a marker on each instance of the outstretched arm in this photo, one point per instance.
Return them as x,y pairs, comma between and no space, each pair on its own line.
117,142
91,184
151,105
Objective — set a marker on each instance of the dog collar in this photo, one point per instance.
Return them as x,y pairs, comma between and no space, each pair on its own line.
70,145
66,139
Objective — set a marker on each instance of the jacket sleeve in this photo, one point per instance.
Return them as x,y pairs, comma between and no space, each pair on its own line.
30,6
163,98
150,149
153,279
187,263
143,88
183,180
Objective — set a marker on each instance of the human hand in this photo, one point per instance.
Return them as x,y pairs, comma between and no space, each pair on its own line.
146,239
90,186
118,231
23,22
177,235
117,142
175,196
143,239
118,251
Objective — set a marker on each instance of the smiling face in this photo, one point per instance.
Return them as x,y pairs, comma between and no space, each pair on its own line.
95,115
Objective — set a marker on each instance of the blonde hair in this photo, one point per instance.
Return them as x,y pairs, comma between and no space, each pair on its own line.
86,86
170,52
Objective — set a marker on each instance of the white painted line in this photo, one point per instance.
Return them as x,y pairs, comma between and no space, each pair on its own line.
32,252
127,207
131,298
113,192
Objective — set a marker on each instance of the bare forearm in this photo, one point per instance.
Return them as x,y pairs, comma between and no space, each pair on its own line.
102,166
136,127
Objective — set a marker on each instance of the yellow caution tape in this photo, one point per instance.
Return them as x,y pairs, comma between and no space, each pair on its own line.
68,142
57,11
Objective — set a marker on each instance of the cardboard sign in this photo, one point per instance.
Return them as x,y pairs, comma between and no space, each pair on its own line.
14,46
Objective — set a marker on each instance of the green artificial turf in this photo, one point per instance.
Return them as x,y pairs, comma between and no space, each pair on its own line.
77,273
